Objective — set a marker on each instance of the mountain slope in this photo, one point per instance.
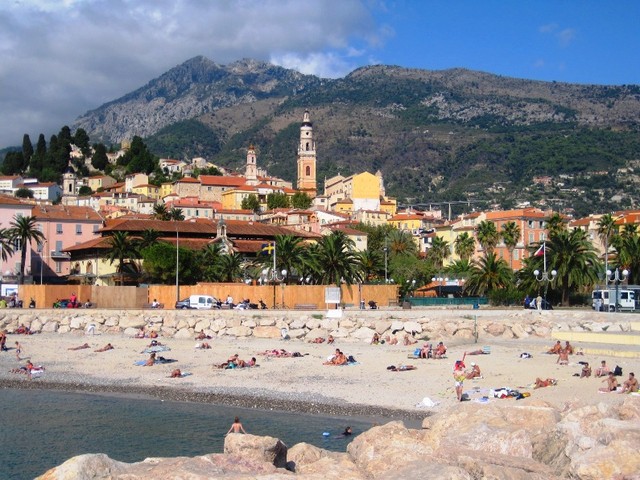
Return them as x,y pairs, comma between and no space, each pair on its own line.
436,135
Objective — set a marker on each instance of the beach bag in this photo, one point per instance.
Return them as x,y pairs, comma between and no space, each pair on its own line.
350,359
617,371
465,397
416,352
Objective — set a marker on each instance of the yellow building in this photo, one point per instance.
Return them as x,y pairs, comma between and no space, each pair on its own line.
361,191
100,182
151,191
232,199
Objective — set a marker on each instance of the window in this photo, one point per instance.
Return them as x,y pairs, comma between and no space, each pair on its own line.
40,246
308,171
58,245
307,146
95,228
531,238
58,267
78,229
58,228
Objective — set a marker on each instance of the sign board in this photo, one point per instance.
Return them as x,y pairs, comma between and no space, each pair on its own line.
9,289
332,295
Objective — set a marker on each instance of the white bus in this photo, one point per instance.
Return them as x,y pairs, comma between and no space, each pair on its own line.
605,300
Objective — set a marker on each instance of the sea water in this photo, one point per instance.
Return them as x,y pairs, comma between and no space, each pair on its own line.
40,429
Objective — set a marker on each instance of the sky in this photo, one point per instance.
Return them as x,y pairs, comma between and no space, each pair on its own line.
61,58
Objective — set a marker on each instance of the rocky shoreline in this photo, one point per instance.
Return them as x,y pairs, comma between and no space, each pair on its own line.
232,397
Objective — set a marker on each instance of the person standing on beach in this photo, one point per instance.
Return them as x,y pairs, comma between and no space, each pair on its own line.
459,375
18,351
236,427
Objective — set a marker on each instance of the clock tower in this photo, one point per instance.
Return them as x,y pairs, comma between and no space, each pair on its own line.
307,158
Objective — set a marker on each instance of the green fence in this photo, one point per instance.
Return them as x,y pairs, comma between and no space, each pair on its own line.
443,301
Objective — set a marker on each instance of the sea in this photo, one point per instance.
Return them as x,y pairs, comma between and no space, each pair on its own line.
40,429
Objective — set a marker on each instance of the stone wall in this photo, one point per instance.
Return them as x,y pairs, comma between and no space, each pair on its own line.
356,325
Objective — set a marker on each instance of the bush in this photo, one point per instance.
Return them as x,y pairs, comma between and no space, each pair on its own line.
505,297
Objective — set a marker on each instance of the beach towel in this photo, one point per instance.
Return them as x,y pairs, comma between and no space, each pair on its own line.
427,403
182,375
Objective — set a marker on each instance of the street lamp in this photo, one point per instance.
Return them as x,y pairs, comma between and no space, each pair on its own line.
271,275
543,277
617,278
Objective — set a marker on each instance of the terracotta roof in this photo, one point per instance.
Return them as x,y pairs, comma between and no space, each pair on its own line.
62,212
103,243
412,216
346,230
9,200
164,227
220,181
188,180
516,213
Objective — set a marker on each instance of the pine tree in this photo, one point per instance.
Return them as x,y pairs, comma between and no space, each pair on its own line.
27,149
81,140
99,159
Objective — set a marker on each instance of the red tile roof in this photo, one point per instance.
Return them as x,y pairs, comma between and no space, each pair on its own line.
62,212
220,181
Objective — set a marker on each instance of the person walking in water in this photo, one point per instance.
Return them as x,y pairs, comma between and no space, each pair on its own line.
236,427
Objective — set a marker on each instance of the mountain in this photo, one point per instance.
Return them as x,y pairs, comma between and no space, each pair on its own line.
438,136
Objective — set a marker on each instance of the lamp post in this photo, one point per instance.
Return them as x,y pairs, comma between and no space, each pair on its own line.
177,264
386,261
617,278
271,275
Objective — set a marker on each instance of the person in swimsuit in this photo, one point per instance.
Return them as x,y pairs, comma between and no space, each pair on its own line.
612,383
81,347
151,360
236,427
18,351
108,346
630,385
459,376
545,383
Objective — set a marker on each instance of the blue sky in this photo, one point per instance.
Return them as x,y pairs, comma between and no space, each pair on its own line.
60,58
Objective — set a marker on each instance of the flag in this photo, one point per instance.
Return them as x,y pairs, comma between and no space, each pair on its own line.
540,251
267,248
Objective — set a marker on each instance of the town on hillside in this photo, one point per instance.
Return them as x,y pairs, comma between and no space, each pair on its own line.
82,227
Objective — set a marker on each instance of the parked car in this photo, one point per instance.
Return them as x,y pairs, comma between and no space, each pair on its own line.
199,302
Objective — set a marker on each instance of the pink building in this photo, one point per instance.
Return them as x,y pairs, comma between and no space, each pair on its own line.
63,226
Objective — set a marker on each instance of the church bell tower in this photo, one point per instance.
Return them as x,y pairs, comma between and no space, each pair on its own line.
251,169
307,158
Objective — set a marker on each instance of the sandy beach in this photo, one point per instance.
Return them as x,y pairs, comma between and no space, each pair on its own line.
304,383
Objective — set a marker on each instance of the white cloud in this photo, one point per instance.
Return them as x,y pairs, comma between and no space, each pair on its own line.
564,36
59,59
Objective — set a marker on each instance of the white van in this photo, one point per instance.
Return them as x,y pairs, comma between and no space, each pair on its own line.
198,302
605,300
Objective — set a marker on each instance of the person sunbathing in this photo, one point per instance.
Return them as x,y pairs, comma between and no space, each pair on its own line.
318,340
586,371
426,351
391,340
630,385
545,383
151,360
141,333
555,349
338,358
602,370
330,339
203,346
176,373
441,351
612,383
375,340
108,346
563,357
568,348
409,340
474,372
402,368
81,347
203,336
153,334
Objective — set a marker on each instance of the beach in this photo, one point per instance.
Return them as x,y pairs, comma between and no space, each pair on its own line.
303,383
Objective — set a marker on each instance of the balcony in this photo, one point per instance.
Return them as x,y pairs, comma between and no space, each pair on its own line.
60,255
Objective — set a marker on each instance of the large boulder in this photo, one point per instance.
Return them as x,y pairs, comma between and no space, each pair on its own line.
266,332
387,448
253,447
89,466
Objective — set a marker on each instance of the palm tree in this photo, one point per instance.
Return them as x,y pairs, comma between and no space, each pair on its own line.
336,260
210,260
460,268
231,267
572,255
123,247
465,246
148,238
510,234
628,255
488,236
491,273
24,231
160,212
439,251
176,214
606,230
556,224
371,263
400,242
6,244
